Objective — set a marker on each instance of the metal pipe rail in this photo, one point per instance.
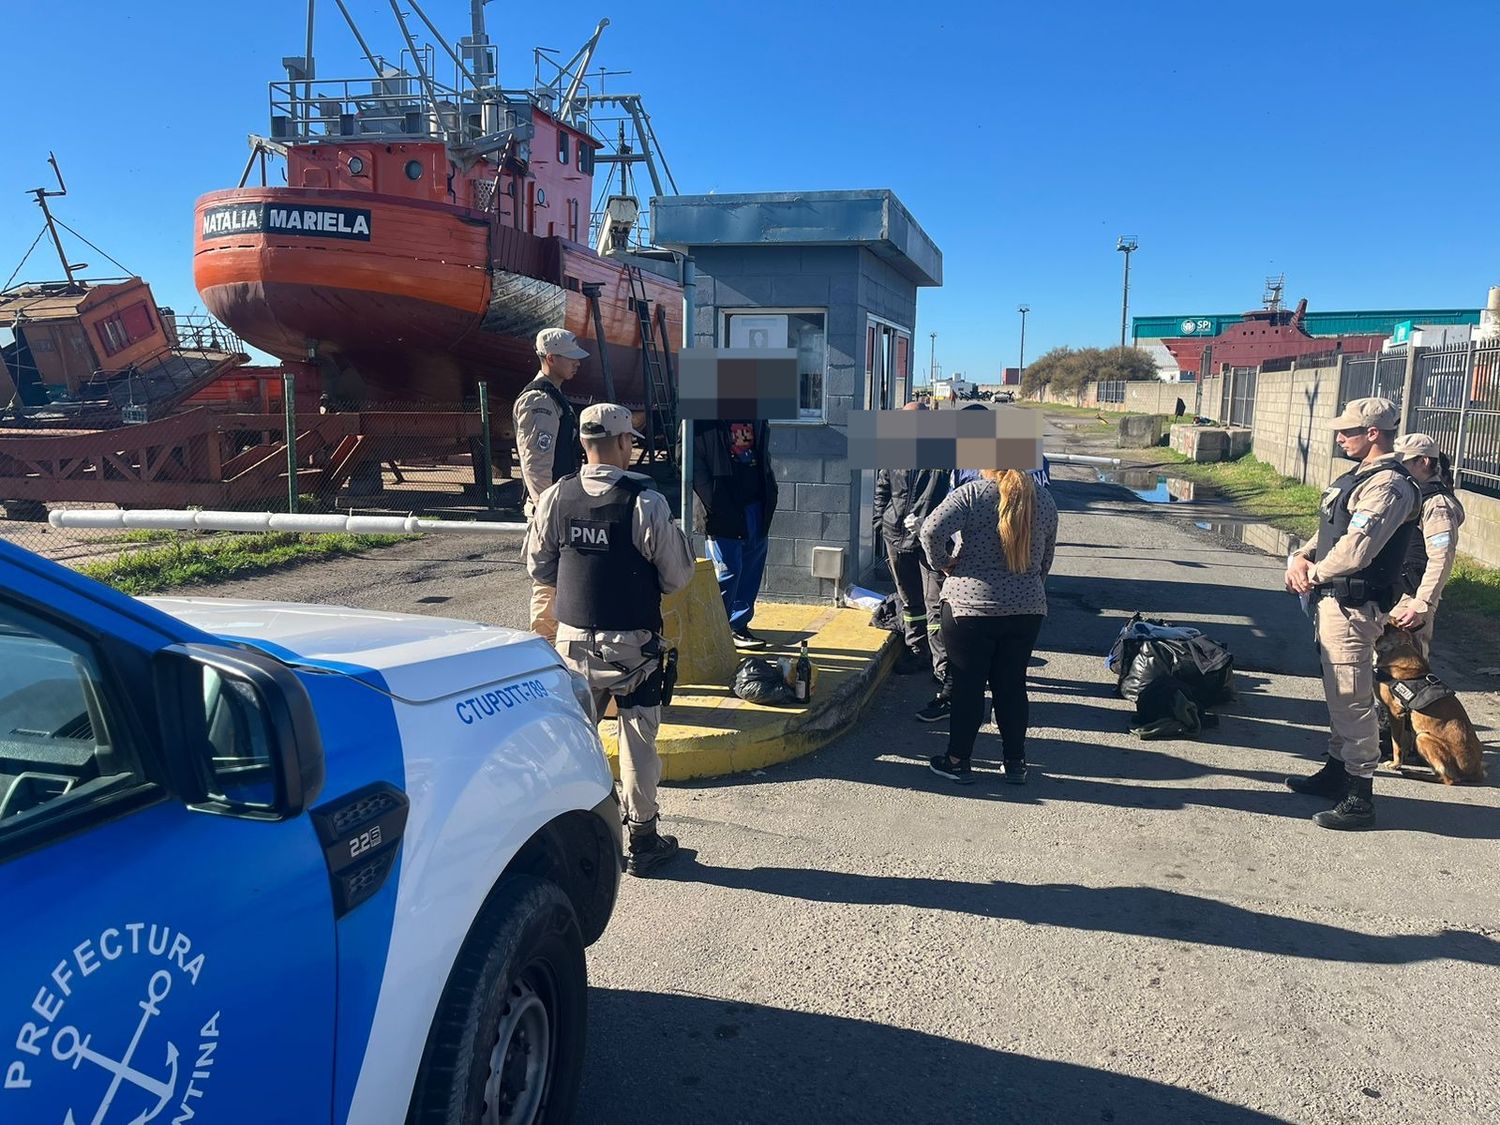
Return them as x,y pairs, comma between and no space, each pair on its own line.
177,519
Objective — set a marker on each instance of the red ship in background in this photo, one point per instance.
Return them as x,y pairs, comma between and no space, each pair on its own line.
429,229
1272,332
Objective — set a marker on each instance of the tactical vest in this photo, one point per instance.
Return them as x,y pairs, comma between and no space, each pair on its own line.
1416,550
567,454
1382,575
603,582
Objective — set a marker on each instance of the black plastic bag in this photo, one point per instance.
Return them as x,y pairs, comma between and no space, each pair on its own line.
759,681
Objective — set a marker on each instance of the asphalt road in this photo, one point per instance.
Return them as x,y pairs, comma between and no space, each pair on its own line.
1146,932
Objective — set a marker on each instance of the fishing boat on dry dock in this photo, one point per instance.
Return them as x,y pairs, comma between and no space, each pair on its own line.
431,226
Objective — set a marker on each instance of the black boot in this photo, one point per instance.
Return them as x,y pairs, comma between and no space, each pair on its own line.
648,849
1330,781
1355,812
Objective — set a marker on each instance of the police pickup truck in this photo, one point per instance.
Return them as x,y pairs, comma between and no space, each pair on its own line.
263,862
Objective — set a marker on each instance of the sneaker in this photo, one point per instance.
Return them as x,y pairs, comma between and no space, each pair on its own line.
944,766
648,851
936,710
1015,771
744,638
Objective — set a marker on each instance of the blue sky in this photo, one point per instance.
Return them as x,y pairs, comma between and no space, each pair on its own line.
1348,145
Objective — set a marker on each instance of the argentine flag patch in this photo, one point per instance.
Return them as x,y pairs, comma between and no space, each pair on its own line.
1360,520
1440,540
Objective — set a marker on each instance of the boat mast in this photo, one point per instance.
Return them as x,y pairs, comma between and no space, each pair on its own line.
42,195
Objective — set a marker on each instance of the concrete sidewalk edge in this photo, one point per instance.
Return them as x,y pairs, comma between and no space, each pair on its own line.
777,737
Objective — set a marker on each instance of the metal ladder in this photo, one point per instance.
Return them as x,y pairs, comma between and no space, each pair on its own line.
660,383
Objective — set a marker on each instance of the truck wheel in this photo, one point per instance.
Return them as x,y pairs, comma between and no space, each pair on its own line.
506,1046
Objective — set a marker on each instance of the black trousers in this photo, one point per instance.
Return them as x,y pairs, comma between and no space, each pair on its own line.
989,652
919,587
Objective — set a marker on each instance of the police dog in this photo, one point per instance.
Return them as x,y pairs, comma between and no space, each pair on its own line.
1442,734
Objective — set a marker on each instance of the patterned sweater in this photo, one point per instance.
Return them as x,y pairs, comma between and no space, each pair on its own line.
979,583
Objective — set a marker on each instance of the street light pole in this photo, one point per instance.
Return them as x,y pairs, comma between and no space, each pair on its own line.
1021,371
932,363
1127,246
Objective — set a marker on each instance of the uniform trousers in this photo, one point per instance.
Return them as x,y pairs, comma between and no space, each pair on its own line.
543,619
617,669
920,588
1346,647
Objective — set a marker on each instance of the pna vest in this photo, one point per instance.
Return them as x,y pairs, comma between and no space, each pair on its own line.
603,582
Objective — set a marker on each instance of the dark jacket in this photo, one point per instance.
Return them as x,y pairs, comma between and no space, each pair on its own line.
717,514
902,493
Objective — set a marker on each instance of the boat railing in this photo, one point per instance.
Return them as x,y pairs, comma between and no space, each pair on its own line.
397,108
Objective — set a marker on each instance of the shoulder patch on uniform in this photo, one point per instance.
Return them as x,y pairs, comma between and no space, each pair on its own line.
1360,520
1440,540
544,441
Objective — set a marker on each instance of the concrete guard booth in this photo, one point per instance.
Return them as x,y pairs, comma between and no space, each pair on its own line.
834,275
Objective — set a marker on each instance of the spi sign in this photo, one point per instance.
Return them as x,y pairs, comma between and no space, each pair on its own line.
1197,326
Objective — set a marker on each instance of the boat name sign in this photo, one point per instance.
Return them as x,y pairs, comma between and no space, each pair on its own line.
273,218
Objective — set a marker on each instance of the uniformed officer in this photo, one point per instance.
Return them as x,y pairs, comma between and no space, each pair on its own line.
1353,573
547,441
1429,559
605,540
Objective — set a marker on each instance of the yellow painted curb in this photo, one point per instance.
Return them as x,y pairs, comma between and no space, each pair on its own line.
709,731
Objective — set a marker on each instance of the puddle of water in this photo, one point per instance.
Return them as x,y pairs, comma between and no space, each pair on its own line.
1235,531
1157,488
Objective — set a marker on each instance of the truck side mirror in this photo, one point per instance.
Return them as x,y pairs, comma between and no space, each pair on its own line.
239,733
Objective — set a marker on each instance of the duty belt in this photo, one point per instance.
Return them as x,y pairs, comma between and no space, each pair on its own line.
1354,592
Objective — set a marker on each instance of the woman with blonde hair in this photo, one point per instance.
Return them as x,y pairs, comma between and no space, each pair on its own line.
992,608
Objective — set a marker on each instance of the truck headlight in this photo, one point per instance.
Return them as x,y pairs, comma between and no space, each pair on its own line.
583,693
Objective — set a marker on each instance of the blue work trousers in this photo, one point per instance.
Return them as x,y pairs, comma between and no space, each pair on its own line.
739,565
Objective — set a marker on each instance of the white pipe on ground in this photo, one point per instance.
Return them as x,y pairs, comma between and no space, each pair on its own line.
1082,459
167,519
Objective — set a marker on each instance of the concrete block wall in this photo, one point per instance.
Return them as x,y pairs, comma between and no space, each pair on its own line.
821,502
1479,538
1293,415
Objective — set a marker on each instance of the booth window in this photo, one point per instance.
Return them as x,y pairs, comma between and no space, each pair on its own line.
562,147
805,332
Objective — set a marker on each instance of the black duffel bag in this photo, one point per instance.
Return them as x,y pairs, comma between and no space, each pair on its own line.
1205,667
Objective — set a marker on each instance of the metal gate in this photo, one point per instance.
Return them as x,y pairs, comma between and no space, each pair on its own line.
1456,399
1373,376
1237,404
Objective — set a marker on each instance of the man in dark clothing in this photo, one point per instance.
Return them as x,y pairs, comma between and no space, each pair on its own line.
903,499
736,490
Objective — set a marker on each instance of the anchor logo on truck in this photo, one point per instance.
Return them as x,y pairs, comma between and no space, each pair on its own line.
70,1045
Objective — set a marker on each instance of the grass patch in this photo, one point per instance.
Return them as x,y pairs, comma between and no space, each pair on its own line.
1472,588
199,561
1257,488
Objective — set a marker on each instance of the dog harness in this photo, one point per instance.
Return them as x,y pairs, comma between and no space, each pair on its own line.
1418,694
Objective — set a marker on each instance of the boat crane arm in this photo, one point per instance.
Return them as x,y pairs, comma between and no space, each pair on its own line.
586,54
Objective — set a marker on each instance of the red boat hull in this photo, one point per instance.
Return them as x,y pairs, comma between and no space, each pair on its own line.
410,301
